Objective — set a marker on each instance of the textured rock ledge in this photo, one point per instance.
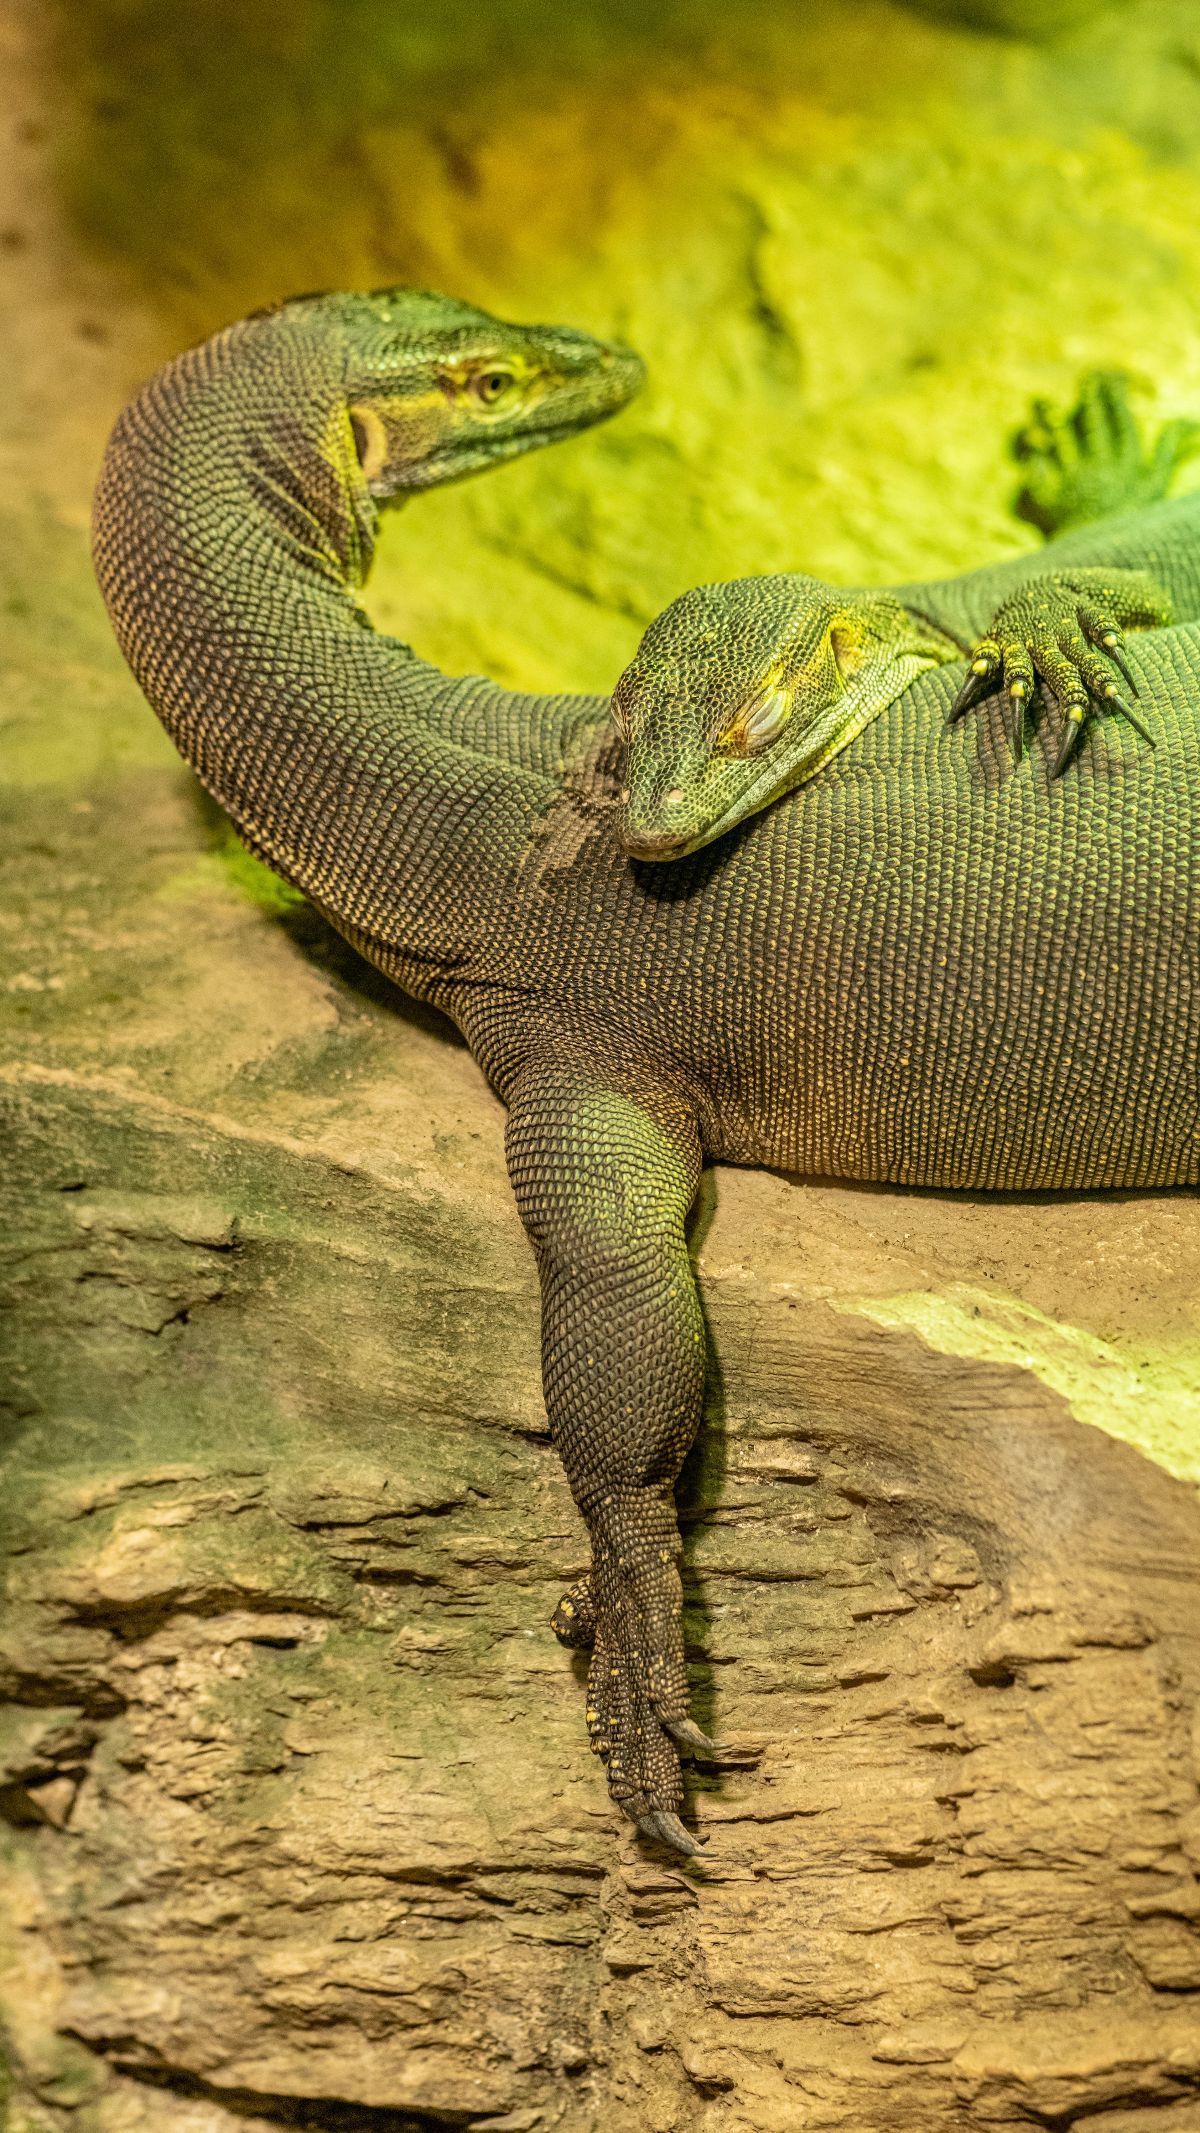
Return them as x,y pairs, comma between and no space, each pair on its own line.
302,1822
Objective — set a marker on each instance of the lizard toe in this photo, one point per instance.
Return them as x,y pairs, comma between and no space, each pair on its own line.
666,1828
686,1734
574,1619
637,1695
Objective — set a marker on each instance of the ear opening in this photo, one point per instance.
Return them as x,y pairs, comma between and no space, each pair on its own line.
370,440
849,651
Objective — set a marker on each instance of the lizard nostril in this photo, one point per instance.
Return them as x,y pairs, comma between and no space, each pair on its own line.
673,797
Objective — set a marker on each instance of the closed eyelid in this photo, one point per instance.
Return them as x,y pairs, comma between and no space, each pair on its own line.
757,722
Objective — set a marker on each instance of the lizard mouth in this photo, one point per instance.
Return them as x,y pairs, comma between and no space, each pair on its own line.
470,455
660,843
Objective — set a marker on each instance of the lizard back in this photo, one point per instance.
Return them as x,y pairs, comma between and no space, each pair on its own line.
924,966
927,966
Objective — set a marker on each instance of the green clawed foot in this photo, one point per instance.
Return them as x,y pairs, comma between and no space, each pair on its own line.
637,1688
1066,635
1093,459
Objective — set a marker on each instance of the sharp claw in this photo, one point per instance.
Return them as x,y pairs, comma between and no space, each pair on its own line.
1119,704
667,1829
974,687
686,1734
1016,697
1113,648
1069,742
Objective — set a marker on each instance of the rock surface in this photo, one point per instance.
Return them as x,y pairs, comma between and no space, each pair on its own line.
299,1823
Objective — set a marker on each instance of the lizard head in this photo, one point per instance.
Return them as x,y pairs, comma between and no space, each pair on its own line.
436,389
740,691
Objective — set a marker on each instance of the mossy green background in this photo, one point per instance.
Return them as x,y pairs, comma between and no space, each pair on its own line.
850,239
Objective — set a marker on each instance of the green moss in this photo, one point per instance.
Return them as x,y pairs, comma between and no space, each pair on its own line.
230,861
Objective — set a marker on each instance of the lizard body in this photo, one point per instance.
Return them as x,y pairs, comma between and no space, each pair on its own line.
923,968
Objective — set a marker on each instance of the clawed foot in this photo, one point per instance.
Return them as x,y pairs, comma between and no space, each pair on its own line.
1067,633
1092,459
629,1610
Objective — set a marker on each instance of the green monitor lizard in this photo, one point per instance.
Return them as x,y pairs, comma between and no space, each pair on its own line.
924,967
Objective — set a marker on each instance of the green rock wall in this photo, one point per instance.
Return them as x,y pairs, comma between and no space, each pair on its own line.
850,241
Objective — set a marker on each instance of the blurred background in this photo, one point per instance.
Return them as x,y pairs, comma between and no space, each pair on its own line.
850,240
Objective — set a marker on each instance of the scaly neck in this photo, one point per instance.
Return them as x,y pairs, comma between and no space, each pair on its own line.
232,526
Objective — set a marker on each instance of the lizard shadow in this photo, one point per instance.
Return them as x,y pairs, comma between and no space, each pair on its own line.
701,1482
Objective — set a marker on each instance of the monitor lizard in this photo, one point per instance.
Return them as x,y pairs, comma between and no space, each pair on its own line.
926,967
742,691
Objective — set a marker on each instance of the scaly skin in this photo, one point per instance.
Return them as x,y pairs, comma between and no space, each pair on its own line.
741,692
922,969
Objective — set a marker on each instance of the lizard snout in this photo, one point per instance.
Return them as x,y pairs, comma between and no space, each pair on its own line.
653,838
653,844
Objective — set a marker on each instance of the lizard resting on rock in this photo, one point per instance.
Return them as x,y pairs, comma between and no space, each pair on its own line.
922,968
743,691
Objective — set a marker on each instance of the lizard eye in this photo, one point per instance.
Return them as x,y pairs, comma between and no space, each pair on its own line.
757,723
491,385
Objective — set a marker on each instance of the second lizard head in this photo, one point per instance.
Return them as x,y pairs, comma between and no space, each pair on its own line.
740,691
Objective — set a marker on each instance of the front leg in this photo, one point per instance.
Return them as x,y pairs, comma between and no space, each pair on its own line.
605,1159
1093,460
1066,631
